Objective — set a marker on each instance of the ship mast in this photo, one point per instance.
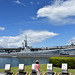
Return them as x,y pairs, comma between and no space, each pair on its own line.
23,44
25,41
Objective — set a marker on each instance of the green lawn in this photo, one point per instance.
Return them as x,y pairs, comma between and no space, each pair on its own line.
43,69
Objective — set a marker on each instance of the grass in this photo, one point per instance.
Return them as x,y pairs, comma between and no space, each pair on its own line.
43,69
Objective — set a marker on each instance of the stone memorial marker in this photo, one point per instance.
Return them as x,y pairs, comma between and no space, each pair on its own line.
21,67
33,69
49,69
64,68
7,68
33,66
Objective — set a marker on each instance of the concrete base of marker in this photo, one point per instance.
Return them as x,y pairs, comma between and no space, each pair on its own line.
53,73
64,74
2,73
34,73
22,73
11,73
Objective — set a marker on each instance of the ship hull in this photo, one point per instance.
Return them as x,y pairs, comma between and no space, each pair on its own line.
42,53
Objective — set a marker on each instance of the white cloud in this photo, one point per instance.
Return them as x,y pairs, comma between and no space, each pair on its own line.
32,36
19,2
38,2
60,11
2,28
31,3
34,18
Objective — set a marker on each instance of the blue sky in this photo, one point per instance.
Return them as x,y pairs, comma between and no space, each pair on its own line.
46,23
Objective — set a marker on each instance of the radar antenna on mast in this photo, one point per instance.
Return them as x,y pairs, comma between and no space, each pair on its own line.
72,43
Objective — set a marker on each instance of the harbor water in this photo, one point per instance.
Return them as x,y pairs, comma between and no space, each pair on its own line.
16,61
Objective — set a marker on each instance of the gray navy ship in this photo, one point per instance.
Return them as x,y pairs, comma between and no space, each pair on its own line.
28,51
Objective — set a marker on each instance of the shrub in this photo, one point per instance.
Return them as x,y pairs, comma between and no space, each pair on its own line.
57,61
